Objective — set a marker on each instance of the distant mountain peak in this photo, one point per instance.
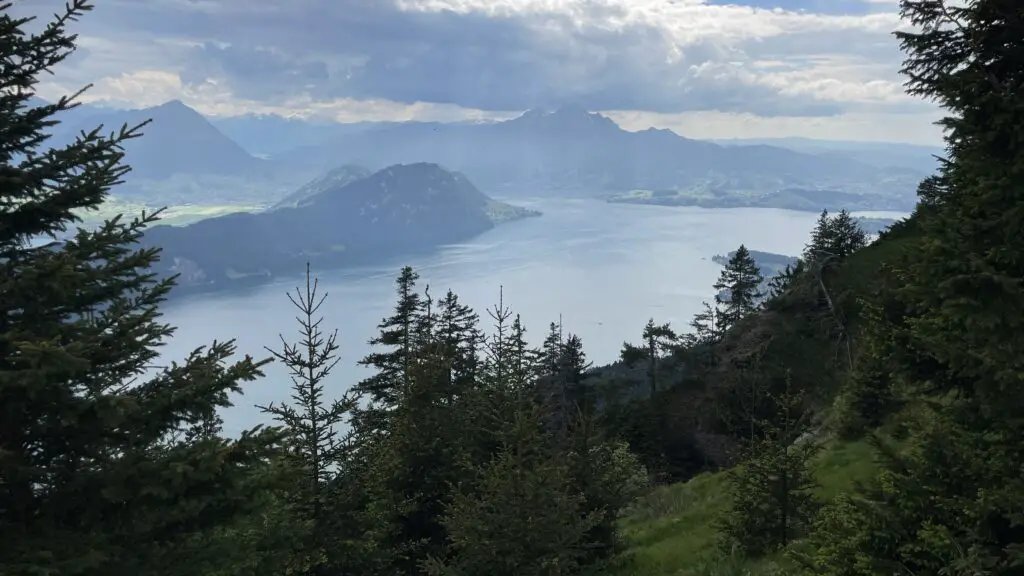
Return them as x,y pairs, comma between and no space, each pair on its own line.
573,109
565,118
173,104
176,108
180,140
563,111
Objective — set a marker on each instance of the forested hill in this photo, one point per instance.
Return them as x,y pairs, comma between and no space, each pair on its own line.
347,217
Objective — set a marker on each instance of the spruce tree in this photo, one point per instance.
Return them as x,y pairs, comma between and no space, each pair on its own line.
846,234
109,463
772,489
608,477
423,448
707,326
551,350
317,447
560,387
821,238
659,340
573,366
780,283
834,238
398,336
524,517
522,358
741,281
458,333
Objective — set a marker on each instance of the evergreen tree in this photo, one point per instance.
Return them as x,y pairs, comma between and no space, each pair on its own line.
772,490
524,518
522,359
509,362
549,391
608,477
459,335
398,334
846,235
707,326
506,367
509,370
109,464
867,399
424,452
821,238
560,388
659,340
741,281
573,366
551,350
317,449
835,237
416,464
781,282
950,503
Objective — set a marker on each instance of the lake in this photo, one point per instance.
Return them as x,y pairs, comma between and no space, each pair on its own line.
604,268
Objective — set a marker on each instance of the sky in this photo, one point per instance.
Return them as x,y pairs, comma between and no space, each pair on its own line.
704,68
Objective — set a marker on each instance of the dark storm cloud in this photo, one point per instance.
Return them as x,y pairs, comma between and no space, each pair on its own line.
370,49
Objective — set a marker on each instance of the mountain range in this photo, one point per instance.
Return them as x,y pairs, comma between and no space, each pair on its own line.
562,151
575,151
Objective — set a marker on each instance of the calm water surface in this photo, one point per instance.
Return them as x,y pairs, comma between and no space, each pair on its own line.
605,268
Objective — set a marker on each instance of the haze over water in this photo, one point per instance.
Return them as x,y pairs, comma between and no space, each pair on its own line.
605,268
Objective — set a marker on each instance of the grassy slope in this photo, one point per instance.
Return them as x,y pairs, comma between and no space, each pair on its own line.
672,530
172,215
180,215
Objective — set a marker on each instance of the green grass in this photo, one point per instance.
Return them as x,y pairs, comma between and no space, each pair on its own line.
671,531
177,215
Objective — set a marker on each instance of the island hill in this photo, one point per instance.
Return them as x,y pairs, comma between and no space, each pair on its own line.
348,217
768,263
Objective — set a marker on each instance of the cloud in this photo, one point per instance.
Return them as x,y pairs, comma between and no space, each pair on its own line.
805,59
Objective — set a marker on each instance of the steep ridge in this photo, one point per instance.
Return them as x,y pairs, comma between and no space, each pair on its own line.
333,179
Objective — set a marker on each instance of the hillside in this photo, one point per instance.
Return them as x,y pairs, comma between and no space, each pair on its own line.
341,221
675,529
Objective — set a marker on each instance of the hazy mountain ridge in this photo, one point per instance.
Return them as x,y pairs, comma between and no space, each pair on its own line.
565,151
398,210
572,149
894,155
